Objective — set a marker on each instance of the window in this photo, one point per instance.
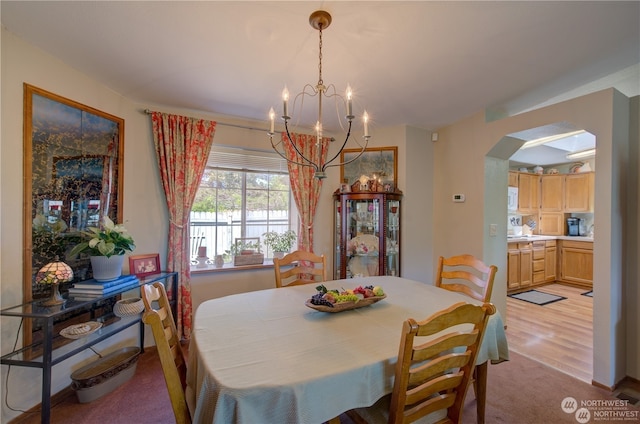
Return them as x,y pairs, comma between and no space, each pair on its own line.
242,194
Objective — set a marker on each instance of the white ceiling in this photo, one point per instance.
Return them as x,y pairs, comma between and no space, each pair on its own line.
553,152
421,63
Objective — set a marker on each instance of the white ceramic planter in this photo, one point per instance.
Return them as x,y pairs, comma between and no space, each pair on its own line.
107,269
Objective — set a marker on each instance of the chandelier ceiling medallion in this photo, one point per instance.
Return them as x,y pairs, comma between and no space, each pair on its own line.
319,20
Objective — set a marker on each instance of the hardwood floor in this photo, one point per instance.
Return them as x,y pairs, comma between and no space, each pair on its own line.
558,334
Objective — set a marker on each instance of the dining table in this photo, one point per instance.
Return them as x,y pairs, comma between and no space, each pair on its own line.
267,357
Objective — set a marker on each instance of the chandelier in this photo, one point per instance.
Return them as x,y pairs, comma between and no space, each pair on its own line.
319,20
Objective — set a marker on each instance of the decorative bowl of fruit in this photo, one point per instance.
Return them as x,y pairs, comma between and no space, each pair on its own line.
343,300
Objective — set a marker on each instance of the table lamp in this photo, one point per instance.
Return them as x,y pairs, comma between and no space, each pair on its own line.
54,273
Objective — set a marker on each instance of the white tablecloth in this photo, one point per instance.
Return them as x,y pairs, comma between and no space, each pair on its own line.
265,357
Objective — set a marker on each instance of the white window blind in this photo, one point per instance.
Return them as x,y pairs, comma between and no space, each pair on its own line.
246,159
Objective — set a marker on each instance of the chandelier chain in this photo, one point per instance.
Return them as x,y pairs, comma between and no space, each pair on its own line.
320,82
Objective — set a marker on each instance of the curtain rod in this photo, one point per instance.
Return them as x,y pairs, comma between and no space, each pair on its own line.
148,112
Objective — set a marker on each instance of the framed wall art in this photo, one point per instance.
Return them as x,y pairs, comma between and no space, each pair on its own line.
73,165
73,175
376,162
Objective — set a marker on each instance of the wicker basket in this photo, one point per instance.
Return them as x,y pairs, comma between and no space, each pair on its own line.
128,307
104,375
253,259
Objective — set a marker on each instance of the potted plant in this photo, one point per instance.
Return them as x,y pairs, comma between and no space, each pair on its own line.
246,251
242,247
280,243
106,246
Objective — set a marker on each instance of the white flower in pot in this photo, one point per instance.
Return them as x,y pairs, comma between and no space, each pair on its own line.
280,243
106,246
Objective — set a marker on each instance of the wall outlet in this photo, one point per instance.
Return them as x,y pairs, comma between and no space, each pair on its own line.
493,230
458,198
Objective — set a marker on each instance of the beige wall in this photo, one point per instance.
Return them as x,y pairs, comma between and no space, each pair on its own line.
460,167
632,293
23,63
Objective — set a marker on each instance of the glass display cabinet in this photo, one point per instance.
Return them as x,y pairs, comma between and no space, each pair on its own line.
367,234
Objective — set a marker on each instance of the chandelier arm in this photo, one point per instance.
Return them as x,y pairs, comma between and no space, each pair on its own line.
284,156
328,165
346,139
310,163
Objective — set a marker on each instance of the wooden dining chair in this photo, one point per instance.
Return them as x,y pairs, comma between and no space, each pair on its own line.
170,351
466,274
469,275
434,367
299,268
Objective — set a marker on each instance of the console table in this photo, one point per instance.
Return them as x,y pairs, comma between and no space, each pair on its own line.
43,354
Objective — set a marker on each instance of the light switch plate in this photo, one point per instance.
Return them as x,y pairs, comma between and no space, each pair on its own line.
493,230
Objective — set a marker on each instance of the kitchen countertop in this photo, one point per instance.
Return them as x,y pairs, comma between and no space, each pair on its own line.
512,239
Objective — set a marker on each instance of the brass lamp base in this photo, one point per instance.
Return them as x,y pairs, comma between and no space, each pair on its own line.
56,298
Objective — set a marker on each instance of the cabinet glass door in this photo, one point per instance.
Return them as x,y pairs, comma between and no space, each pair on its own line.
337,265
393,237
363,256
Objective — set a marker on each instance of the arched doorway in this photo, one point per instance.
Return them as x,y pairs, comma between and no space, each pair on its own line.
541,252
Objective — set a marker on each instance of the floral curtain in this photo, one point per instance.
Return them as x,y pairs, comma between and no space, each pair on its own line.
182,148
305,187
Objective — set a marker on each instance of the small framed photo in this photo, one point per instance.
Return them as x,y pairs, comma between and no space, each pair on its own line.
345,188
142,265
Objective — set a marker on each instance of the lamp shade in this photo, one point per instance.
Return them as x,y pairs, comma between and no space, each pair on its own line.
54,273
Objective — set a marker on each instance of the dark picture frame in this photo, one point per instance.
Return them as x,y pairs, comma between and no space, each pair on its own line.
378,160
142,265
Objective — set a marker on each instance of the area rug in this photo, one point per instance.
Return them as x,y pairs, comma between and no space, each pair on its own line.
537,297
589,293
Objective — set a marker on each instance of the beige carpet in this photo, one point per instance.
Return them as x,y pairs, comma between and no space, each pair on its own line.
520,391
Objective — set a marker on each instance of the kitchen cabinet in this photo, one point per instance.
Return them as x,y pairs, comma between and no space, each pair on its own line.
519,265
551,193
537,261
550,261
367,234
513,266
576,262
528,193
579,192
551,223
513,179
531,263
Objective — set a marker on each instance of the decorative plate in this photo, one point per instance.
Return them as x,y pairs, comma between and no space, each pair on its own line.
345,306
78,331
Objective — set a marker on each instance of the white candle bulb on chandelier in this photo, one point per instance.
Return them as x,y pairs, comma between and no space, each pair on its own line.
272,117
365,119
285,101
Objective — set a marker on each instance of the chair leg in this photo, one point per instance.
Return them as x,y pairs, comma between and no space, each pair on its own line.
480,381
474,381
